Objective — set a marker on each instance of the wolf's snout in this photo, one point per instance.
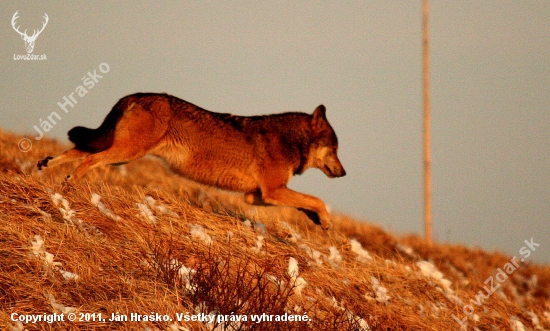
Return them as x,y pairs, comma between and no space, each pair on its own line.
334,172
340,173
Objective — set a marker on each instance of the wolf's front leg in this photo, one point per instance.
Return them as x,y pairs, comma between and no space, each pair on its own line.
312,206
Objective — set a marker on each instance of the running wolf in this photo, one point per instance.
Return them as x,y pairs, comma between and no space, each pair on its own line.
256,155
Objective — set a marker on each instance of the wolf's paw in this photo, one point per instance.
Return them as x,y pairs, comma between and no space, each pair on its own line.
326,224
320,219
44,162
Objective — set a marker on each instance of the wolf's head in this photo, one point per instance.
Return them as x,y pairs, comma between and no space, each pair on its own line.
324,147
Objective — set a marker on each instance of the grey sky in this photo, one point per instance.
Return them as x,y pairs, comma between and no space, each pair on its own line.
490,84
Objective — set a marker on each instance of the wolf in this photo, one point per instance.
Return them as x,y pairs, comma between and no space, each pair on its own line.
256,155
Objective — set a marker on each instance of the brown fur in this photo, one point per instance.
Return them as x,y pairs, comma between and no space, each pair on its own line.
256,155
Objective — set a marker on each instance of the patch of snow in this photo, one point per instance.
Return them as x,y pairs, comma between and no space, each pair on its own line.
259,244
68,214
363,325
146,213
186,275
405,249
516,324
362,254
293,271
37,248
198,232
381,293
230,236
68,275
201,308
535,320
18,327
37,244
59,307
96,201
533,282
334,258
313,254
299,285
279,282
161,208
429,270
335,303
48,260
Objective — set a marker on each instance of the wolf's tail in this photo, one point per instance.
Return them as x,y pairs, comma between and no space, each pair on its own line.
91,140
98,140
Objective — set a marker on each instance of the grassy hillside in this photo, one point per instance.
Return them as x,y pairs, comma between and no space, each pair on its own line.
140,240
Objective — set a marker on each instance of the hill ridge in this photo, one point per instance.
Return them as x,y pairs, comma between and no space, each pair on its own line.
140,240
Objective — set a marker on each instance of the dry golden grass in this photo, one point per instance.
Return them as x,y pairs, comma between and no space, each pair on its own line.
128,264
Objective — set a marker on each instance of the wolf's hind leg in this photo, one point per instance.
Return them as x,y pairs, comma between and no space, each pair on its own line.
136,133
67,156
117,153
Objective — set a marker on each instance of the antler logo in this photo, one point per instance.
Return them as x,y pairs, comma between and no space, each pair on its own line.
29,40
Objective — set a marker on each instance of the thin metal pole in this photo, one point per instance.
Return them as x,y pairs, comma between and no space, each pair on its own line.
427,156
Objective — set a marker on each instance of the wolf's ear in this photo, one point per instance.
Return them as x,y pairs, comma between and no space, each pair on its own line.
319,119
